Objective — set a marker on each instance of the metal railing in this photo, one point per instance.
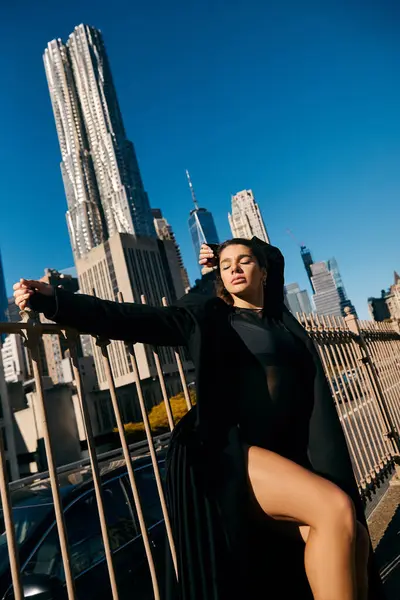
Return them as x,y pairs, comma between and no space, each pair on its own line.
361,361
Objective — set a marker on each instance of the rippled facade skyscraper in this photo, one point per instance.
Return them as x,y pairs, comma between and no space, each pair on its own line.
102,181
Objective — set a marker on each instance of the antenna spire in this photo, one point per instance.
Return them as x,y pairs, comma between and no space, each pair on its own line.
192,190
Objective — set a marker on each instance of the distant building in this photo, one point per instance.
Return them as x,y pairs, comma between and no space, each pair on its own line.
326,298
297,301
387,306
245,219
345,303
201,223
393,298
7,427
378,307
56,347
15,360
202,229
171,253
130,266
3,295
307,259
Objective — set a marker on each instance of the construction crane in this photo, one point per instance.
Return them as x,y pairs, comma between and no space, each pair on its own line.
291,234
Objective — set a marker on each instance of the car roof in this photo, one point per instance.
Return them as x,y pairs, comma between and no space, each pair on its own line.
76,481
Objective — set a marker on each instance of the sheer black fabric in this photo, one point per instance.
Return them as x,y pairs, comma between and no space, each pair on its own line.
276,389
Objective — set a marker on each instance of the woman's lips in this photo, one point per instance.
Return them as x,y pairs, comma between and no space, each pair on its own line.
238,280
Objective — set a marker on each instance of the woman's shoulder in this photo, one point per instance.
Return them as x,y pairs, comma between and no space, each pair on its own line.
201,305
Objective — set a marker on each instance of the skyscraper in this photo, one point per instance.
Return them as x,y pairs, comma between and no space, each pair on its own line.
297,301
326,298
171,253
333,267
201,224
246,220
103,185
3,295
307,259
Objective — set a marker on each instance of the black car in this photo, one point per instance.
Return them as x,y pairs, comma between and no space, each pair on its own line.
36,532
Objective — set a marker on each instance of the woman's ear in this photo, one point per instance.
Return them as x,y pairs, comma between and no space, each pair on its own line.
264,276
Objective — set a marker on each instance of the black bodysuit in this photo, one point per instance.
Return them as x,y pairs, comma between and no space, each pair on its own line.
276,381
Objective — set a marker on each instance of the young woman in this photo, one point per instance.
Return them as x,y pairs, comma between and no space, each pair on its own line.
262,456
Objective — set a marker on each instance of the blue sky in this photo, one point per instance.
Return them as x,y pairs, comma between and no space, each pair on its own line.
298,101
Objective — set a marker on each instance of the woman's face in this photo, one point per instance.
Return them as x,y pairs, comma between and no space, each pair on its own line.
240,272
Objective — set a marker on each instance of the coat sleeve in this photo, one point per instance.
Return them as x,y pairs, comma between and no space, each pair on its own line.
169,326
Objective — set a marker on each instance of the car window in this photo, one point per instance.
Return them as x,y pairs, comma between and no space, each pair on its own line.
84,534
149,497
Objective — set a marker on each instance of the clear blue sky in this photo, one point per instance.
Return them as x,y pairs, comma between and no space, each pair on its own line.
299,101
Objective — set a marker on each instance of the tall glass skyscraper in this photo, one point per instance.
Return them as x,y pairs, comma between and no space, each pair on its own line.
201,223
202,228
103,185
333,267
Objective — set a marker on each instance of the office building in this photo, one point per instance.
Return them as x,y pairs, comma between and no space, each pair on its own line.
246,220
129,266
345,303
393,300
296,300
56,347
307,259
7,427
201,223
202,229
388,305
102,181
15,359
326,298
378,307
3,295
171,254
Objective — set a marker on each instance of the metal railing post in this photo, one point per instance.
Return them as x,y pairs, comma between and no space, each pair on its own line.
103,343
13,551
181,371
32,342
72,338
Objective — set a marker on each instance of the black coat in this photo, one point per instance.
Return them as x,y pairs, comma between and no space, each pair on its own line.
222,554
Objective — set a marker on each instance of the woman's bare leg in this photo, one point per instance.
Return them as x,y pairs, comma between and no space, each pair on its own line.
286,491
362,554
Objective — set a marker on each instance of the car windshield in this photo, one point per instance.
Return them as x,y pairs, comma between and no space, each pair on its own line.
28,512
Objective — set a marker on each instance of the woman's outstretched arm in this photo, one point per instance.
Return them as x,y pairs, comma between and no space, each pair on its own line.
170,326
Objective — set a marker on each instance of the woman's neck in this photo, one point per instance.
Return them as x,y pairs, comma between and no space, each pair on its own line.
257,302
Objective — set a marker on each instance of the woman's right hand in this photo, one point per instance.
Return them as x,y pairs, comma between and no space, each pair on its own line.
24,288
207,258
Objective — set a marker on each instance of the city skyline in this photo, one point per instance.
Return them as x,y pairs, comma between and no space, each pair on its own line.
322,177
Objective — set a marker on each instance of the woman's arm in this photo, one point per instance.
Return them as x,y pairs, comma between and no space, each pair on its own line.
170,326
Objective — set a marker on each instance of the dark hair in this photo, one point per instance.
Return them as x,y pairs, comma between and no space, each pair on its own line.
260,258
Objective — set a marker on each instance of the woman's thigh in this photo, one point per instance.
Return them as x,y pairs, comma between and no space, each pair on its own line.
286,491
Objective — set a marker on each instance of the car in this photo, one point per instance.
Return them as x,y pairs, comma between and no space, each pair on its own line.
39,548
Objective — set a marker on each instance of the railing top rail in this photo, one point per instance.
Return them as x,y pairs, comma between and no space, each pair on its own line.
38,327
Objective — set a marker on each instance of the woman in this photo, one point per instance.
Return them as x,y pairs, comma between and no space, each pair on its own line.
263,451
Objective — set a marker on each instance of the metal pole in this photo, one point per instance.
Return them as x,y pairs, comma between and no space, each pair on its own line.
72,337
32,342
181,371
13,551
